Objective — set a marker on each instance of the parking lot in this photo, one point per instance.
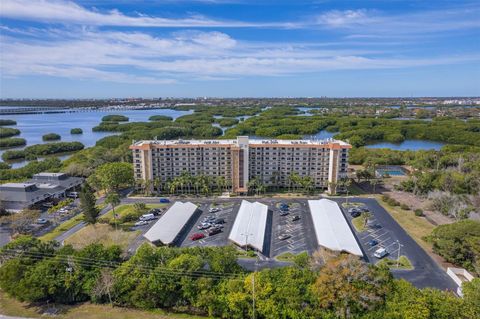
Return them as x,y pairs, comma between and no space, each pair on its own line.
300,233
227,211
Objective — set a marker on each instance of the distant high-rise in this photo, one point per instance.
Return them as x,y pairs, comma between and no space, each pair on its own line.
239,160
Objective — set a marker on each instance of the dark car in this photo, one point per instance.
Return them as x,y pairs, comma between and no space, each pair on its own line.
219,221
284,236
197,236
283,213
214,231
203,226
283,205
284,209
376,226
373,242
364,209
355,214
295,218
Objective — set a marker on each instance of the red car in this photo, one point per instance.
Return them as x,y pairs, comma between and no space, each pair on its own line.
197,236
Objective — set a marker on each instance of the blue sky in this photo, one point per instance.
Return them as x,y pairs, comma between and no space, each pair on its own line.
235,48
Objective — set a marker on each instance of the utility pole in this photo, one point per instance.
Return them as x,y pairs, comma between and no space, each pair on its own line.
398,255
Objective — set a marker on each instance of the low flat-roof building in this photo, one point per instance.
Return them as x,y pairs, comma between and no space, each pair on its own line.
331,228
168,228
41,187
249,226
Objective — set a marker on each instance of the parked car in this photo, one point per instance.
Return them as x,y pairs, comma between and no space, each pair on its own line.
283,213
209,219
380,253
42,221
295,218
364,209
214,231
284,209
355,214
373,243
219,221
283,205
214,209
164,200
284,236
147,217
197,236
141,223
72,195
203,226
47,204
375,226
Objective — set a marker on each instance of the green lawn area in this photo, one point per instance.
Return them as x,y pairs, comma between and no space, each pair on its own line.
403,263
12,307
288,256
66,225
359,223
417,227
102,234
128,209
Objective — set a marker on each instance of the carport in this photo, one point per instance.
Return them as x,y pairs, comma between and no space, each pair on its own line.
331,228
169,227
249,226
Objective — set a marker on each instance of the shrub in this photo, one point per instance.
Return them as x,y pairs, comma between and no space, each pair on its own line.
76,130
160,118
393,202
404,206
12,142
140,207
114,118
4,165
7,122
418,212
7,132
51,137
385,198
13,155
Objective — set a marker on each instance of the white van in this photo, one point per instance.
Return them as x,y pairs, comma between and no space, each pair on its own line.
146,217
380,253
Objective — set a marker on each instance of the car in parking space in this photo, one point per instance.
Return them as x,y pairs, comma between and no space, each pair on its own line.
364,209
219,221
295,218
284,236
283,213
355,214
214,210
209,219
353,210
214,231
203,226
380,253
197,236
164,200
283,205
141,223
147,217
374,226
42,221
373,243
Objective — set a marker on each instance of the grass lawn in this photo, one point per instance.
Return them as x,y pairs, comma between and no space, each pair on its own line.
416,227
359,223
63,227
102,234
12,307
124,210
288,256
403,263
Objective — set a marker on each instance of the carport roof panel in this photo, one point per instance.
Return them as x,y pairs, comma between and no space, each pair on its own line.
331,228
171,223
249,226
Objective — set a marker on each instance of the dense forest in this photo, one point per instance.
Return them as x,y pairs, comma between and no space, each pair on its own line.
208,281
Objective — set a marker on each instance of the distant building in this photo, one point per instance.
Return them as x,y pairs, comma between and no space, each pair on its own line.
42,187
242,159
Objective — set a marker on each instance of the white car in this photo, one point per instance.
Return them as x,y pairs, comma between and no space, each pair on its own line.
141,223
380,253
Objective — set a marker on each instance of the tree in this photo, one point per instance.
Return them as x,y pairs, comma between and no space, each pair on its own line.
113,200
88,204
471,295
21,222
112,176
349,286
104,285
366,217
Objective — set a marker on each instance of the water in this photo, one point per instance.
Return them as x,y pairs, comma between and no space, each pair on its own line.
33,126
409,145
322,135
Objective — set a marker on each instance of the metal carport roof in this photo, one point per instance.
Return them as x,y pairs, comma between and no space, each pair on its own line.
168,227
249,226
331,228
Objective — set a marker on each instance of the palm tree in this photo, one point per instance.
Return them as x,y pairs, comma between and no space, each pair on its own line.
374,183
332,186
366,218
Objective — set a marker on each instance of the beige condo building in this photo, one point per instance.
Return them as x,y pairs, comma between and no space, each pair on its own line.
239,160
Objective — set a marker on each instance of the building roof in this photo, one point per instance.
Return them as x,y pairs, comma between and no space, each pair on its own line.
167,228
230,142
249,226
331,228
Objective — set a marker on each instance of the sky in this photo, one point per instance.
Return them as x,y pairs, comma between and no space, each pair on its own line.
239,48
